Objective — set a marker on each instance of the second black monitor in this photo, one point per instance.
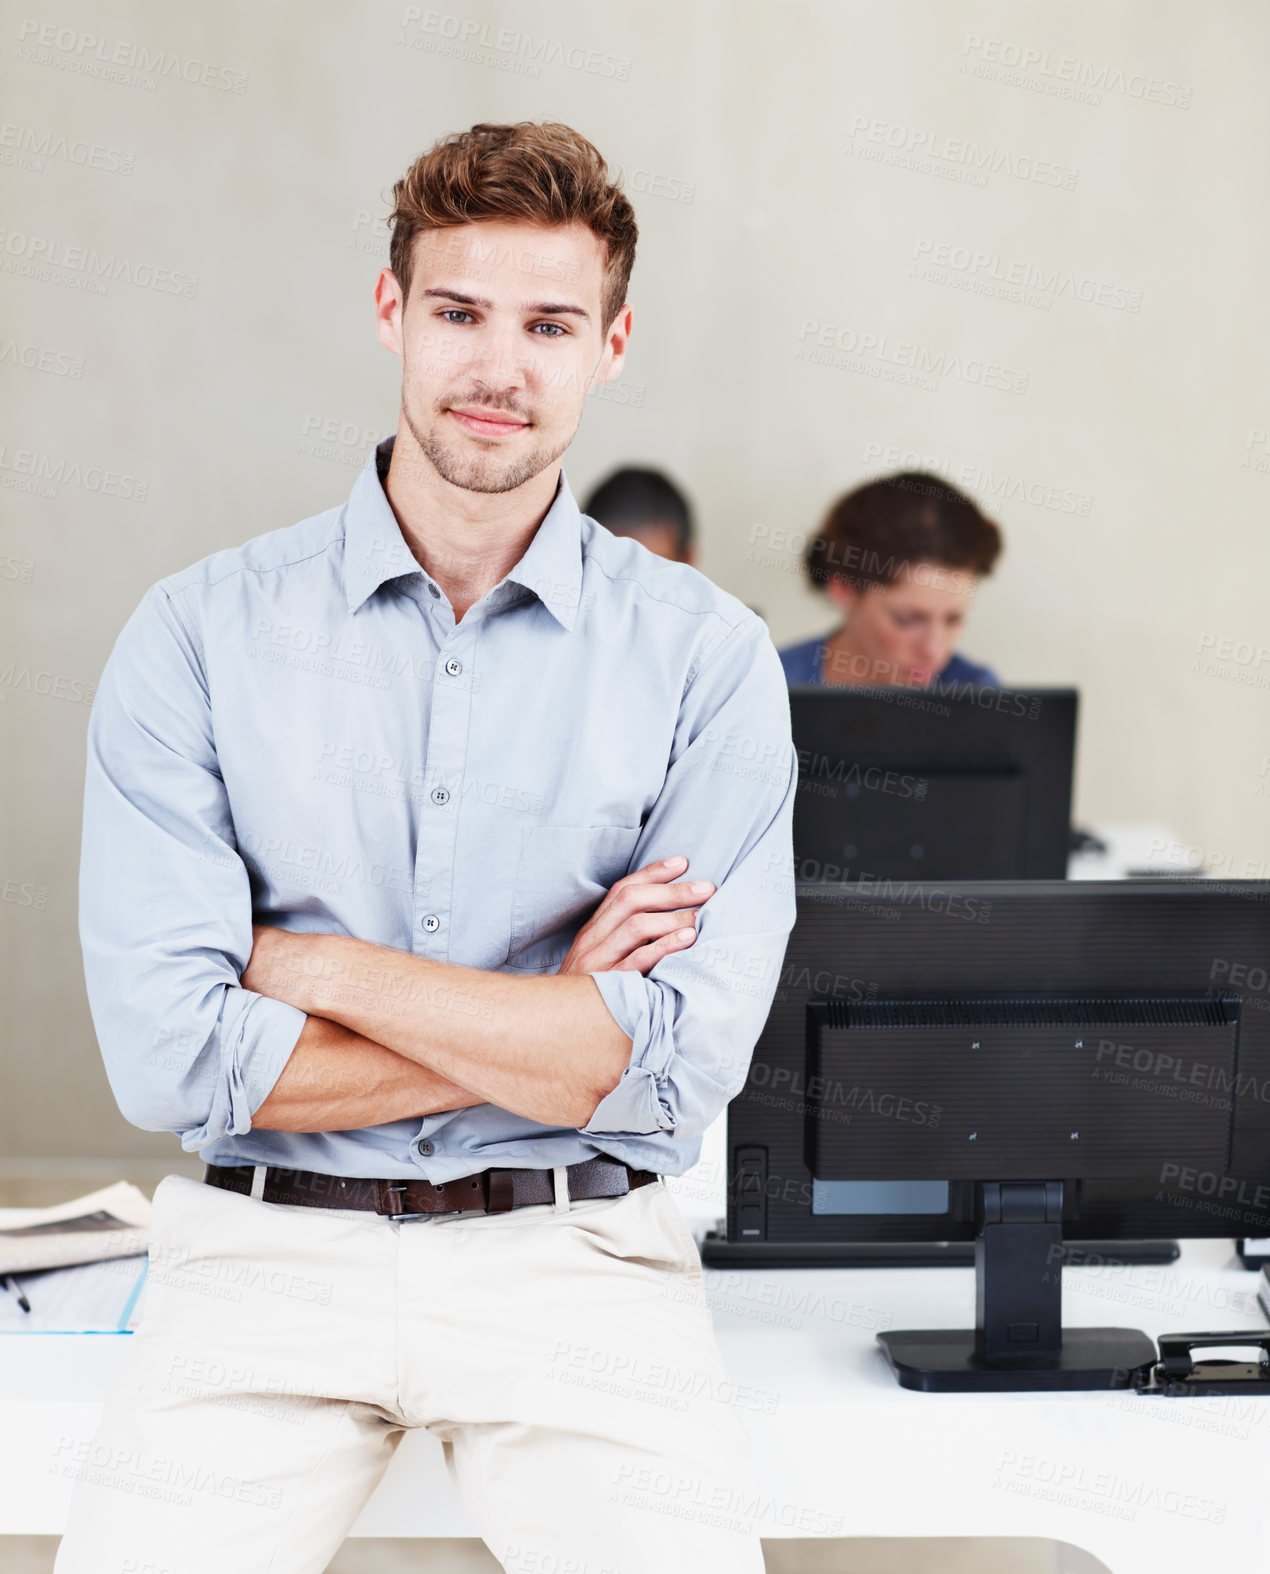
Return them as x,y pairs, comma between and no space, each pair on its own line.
955,782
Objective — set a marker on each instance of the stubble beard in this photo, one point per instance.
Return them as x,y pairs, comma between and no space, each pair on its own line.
479,472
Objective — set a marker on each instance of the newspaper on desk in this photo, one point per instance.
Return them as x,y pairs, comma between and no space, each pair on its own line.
81,1265
108,1223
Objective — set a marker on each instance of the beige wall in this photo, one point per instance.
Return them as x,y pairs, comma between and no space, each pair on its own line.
1133,488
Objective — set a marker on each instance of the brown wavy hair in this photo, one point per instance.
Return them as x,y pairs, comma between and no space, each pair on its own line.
544,172
876,533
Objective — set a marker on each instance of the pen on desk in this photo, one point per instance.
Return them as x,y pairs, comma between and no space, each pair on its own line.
10,1283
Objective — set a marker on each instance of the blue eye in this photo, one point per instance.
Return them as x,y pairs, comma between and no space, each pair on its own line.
558,329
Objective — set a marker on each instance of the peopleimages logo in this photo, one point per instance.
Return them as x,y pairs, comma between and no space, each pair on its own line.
899,360
953,158
40,358
818,773
1222,1188
28,470
999,485
28,148
1020,279
829,1091
469,37
41,257
1063,76
115,60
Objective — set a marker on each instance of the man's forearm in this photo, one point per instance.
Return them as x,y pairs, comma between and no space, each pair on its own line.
545,1047
337,1080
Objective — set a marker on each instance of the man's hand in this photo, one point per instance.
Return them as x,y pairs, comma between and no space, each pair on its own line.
643,918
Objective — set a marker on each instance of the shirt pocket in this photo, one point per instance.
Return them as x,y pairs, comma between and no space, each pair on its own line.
563,873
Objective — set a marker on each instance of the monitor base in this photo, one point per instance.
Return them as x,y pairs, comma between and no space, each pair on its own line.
943,1361
718,1252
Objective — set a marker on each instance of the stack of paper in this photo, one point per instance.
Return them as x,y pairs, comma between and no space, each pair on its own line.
95,1298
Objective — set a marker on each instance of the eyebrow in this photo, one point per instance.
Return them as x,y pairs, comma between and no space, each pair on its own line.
546,308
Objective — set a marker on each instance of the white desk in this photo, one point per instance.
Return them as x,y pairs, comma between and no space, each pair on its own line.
1149,1486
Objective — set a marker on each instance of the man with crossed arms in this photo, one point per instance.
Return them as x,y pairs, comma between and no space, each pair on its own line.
362,798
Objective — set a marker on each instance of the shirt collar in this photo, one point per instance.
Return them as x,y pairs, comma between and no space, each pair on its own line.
375,550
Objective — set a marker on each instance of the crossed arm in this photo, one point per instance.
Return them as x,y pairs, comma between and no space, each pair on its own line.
392,1036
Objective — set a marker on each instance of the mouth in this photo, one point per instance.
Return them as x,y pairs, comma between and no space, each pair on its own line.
487,423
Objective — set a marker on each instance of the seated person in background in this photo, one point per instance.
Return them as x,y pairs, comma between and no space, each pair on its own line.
902,556
649,506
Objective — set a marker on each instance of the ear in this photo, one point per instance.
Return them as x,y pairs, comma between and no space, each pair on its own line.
613,353
841,593
389,307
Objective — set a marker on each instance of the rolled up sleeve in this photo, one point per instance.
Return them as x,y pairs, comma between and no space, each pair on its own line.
165,913
727,805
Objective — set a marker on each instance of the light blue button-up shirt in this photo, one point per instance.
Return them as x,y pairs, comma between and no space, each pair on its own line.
296,732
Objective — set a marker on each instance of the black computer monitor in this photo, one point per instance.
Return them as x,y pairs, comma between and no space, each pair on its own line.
953,782
1033,1062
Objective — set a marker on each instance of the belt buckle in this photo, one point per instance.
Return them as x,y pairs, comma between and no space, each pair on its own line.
389,1200
389,1196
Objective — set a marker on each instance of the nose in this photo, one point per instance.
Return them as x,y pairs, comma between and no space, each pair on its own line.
498,364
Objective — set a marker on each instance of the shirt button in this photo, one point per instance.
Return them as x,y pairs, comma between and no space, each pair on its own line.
431,922
425,1148
440,795
433,590
453,667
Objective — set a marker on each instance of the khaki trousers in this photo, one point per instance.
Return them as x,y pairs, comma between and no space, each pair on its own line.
563,1355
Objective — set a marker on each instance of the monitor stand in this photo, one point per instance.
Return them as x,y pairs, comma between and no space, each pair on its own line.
1018,1342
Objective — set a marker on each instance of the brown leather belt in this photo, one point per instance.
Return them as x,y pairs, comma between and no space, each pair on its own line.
488,1191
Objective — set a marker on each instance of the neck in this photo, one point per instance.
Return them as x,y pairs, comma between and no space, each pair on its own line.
840,659
468,541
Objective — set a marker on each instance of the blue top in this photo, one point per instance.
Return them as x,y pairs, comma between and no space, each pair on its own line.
267,744
802,665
